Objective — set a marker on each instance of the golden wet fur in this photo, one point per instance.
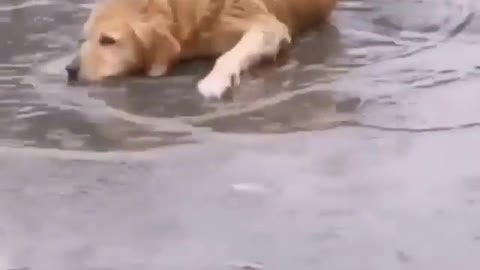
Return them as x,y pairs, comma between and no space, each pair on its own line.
125,37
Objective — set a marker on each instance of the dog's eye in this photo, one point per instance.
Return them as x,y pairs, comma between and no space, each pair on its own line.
106,40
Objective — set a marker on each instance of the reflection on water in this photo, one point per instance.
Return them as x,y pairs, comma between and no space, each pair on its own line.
378,51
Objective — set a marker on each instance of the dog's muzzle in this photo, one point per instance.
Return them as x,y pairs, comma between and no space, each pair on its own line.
73,69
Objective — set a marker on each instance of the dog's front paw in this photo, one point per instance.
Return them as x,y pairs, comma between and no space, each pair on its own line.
218,82
157,71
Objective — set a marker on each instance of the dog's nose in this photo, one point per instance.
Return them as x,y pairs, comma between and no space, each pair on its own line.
72,70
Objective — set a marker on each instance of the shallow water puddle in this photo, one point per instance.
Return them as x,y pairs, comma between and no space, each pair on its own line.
378,48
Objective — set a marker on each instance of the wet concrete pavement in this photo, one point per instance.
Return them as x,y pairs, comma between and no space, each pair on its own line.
358,152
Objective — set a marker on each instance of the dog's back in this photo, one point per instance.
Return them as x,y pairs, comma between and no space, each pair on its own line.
300,15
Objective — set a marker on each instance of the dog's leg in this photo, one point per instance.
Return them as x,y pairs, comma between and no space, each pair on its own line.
263,39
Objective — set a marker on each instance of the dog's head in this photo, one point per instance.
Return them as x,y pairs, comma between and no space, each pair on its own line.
122,40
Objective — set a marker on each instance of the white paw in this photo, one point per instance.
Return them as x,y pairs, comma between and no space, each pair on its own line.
218,82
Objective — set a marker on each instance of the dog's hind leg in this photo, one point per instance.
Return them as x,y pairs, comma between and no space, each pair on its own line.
264,38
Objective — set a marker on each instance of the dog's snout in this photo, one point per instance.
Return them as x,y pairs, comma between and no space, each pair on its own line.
72,70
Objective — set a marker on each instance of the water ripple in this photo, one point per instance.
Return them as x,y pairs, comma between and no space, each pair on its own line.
377,49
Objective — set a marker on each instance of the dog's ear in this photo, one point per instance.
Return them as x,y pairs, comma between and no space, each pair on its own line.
159,48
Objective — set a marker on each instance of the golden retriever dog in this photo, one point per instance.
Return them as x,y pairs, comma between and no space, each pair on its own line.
147,37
